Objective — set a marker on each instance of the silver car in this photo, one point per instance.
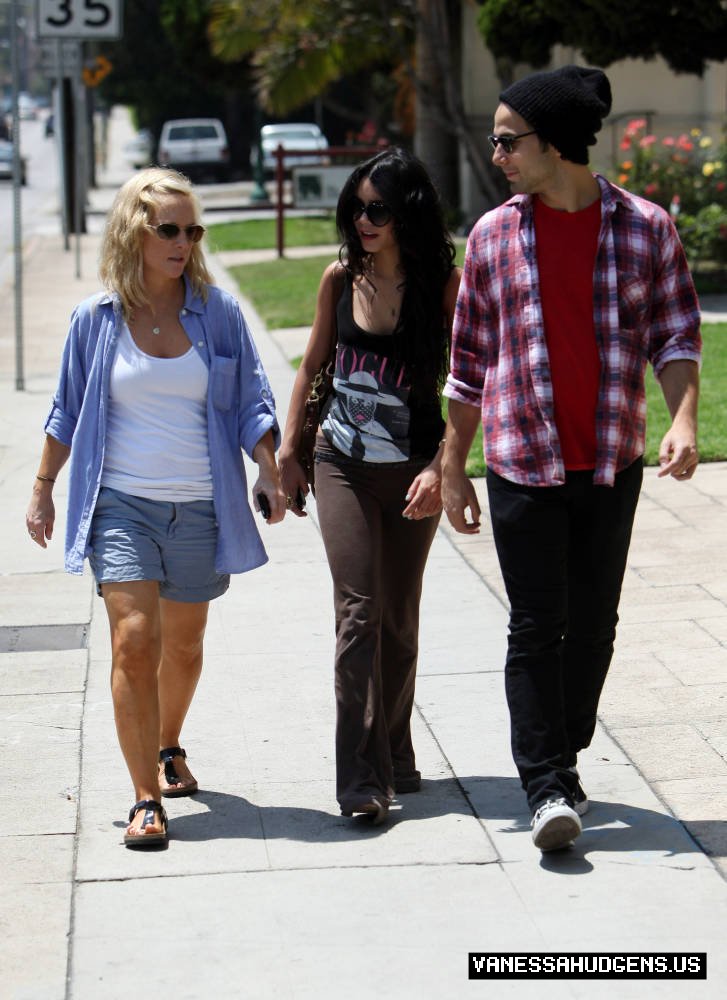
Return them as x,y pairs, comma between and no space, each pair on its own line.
196,146
292,135
6,163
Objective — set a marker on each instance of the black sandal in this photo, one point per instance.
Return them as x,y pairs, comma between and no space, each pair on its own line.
150,806
166,757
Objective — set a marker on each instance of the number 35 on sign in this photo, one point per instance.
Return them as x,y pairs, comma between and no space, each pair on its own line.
79,19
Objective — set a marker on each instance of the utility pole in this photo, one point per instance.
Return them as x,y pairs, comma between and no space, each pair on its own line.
17,217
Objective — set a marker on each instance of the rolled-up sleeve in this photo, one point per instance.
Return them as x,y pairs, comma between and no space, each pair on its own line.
257,403
469,349
674,333
68,399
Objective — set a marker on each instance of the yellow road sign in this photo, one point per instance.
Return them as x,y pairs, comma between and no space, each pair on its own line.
94,72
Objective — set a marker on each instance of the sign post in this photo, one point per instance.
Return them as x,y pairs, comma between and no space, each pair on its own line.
81,20
69,23
17,219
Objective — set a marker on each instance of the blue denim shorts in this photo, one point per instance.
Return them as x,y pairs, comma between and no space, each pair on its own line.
137,539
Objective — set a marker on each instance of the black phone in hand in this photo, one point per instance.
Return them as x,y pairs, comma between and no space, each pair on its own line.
264,505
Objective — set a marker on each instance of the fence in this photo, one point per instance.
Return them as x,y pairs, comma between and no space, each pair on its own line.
344,154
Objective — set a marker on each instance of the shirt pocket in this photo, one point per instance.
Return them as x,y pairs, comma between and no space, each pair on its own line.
634,301
223,379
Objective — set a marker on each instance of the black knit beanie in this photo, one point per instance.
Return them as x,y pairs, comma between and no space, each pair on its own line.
565,106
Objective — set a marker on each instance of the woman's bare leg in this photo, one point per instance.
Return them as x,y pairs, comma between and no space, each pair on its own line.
183,627
134,618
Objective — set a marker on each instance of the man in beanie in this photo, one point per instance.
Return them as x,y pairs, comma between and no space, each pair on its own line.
568,288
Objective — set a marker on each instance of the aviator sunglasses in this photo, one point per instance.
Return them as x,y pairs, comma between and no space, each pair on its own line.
170,231
376,212
507,141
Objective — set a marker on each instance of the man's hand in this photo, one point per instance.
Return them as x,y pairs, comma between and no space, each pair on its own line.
678,455
458,493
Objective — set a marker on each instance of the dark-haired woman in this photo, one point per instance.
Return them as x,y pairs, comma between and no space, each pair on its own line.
387,304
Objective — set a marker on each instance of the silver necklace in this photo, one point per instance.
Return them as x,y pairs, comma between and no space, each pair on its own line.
387,303
386,300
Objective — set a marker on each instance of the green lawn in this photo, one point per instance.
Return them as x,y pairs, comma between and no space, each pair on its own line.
260,234
284,293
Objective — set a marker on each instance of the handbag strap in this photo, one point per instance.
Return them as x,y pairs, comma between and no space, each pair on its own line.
339,283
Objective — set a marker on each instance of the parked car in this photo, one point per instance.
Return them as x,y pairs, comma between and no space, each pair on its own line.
196,146
293,135
6,163
139,151
27,108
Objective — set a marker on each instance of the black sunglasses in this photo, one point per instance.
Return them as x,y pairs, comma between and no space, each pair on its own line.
507,141
376,212
170,231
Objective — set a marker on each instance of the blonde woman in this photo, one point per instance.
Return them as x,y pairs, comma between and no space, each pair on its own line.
160,388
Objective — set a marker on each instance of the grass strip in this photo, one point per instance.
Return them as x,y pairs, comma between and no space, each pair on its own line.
260,234
283,291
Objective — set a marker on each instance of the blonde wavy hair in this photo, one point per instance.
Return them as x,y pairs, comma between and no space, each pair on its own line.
121,266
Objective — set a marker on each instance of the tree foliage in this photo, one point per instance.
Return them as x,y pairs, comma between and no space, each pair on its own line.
298,50
163,66
686,33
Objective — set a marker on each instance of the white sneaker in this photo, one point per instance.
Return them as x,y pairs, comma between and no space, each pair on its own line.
580,799
555,825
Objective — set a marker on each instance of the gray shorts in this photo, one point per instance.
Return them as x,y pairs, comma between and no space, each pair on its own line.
175,543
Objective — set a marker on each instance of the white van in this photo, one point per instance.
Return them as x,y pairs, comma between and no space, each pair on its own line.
195,146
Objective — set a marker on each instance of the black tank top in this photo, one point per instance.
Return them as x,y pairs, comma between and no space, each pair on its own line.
374,415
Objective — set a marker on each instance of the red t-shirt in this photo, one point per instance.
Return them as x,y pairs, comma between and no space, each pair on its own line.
566,244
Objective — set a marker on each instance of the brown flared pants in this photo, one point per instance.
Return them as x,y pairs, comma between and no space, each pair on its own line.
377,560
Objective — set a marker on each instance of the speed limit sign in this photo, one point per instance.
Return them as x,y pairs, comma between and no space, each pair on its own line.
79,19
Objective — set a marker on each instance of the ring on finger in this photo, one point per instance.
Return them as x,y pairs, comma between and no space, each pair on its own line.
33,534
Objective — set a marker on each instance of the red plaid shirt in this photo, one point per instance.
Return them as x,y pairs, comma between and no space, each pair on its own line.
645,309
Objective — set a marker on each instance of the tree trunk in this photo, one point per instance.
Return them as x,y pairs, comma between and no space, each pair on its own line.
432,139
440,108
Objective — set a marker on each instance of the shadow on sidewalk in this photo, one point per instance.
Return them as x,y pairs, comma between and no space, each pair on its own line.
235,817
641,836
608,827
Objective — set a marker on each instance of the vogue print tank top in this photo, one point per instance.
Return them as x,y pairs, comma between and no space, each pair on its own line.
370,416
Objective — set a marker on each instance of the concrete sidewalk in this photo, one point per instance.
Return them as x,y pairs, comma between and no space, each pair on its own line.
264,890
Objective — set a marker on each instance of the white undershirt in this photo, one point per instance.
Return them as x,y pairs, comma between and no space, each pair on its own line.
156,438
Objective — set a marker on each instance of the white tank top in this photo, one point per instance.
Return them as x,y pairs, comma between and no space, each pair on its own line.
156,438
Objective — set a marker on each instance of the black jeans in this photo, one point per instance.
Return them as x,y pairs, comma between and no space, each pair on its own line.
562,552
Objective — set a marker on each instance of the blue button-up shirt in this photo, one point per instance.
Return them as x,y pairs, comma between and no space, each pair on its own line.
240,410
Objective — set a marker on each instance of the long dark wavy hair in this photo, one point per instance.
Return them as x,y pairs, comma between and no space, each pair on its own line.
421,338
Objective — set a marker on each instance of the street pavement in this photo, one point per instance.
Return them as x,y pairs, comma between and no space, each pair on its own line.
264,890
